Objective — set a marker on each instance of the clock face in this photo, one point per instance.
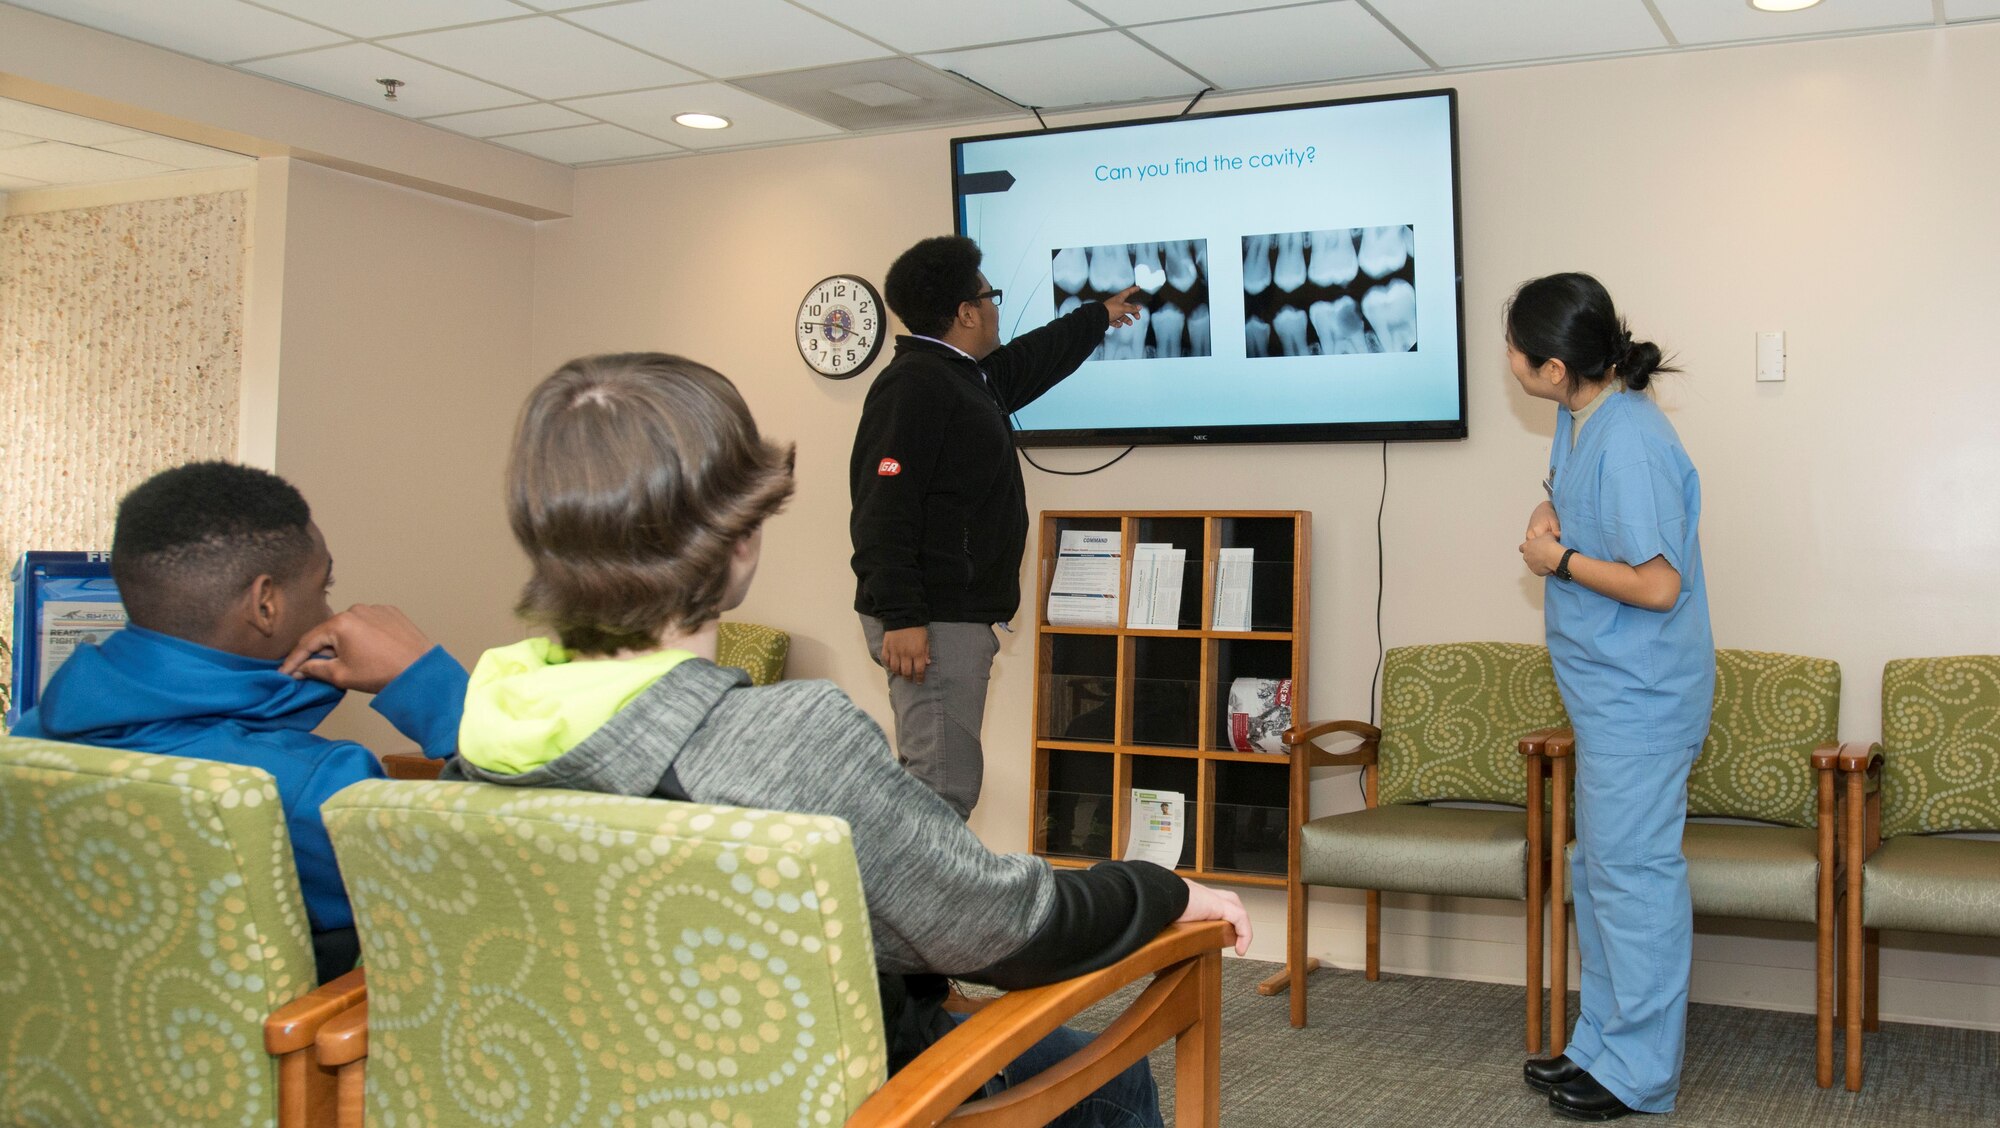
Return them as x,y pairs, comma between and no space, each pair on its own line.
840,326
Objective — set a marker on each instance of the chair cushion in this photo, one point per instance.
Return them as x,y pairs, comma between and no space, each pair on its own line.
565,957
152,921
1410,848
1453,716
1933,885
1758,872
757,650
1940,745
1771,711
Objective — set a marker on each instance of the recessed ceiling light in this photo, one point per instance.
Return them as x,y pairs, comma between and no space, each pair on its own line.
1782,5
702,121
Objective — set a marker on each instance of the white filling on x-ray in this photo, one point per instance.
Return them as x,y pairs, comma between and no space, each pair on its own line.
1167,323
1332,257
1256,337
1392,311
1384,250
1197,328
1290,273
1256,263
1290,325
1110,269
1338,324
1146,268
1181,273
1071,269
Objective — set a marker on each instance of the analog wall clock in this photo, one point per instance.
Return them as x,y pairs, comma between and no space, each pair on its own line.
840,326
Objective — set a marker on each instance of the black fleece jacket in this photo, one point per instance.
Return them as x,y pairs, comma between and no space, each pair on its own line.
940,514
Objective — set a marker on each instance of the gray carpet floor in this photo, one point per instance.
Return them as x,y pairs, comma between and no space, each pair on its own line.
1412,1051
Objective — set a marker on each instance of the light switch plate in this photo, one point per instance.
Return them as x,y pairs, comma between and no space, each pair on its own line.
1770,357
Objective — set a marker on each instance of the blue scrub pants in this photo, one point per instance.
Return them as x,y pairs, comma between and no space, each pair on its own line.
1634,922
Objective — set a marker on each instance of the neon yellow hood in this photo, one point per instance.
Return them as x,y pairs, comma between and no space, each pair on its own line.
528,703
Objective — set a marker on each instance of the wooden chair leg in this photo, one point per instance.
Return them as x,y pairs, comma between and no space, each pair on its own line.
1871,999
1535,956
1558,953
1295,949
1852,960
1823,972
1374,939
1198,1051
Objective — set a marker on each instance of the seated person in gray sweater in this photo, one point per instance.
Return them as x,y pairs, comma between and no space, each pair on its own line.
639,487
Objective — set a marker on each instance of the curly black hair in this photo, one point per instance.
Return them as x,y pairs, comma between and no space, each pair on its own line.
190,539
928,282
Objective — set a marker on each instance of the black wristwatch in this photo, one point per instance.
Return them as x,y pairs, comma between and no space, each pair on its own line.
1562,566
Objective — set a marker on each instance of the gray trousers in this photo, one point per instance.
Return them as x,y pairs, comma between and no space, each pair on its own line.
938,720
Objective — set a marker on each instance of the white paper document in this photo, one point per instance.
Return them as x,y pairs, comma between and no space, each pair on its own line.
1159,823
67,625
1233,568
1084,590
1156,587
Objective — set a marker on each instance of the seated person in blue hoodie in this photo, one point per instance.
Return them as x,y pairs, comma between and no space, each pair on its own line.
225,576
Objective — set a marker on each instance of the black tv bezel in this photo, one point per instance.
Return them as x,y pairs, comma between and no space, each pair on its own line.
1409,430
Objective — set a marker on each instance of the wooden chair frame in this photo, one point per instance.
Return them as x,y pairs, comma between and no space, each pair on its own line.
1183,1002
1560,750
307,1087
1860,962
1307,755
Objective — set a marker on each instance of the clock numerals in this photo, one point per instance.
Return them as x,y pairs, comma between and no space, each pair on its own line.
840,326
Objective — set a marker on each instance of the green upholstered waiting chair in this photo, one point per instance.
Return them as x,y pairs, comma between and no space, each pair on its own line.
1456,720
1767,768
1938,769
155,963
757,650
561,957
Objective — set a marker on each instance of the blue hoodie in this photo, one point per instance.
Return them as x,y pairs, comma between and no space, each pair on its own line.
149,692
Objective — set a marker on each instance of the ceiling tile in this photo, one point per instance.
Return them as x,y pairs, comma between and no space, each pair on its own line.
350,72
366,19
17,183
1463,35
1971,9
10,140
44,124
938,27
878,94
178,154
760,36
543,56
209,29
587,143
753,121
1706,21
1291,45
559,5
1129,12
54,162
513,119
1077,71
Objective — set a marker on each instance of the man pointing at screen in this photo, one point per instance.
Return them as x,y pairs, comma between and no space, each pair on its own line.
940,513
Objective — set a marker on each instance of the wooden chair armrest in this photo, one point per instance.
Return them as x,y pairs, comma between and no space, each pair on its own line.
1535,743
411,765
1560,745
934,1086
344,1038
1362,754
1859,756
1826,757
295,1025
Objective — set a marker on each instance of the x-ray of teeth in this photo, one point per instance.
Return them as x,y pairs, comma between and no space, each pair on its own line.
1172,277
1333,292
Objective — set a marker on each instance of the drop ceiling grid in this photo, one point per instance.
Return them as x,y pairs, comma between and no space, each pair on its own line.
525,73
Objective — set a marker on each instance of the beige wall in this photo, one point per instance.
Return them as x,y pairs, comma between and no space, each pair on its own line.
404,357
1839,191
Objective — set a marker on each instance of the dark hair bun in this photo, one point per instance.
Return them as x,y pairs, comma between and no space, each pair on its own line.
1636,367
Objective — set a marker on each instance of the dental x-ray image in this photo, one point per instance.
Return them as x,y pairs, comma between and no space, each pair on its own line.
1172,277
1326,293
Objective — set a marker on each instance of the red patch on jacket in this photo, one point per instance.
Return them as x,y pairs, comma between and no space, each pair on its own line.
889,468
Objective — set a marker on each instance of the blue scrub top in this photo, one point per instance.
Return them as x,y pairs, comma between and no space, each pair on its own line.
1633,680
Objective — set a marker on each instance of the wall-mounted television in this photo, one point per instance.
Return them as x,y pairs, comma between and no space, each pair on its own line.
1300,265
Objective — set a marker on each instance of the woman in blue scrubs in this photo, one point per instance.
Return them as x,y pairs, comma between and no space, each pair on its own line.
1627,617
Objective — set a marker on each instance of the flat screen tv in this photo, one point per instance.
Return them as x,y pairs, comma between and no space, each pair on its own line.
1300,267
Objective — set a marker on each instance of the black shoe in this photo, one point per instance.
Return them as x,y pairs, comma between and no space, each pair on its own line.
1544,1074
1582,1098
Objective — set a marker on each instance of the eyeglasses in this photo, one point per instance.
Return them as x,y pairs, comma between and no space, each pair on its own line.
985,294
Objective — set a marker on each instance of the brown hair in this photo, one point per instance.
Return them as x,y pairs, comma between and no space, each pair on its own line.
631,479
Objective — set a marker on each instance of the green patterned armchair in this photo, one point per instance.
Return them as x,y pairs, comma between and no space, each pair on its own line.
1759,841
566,958
1456,721
757,650
1935,774
155,962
